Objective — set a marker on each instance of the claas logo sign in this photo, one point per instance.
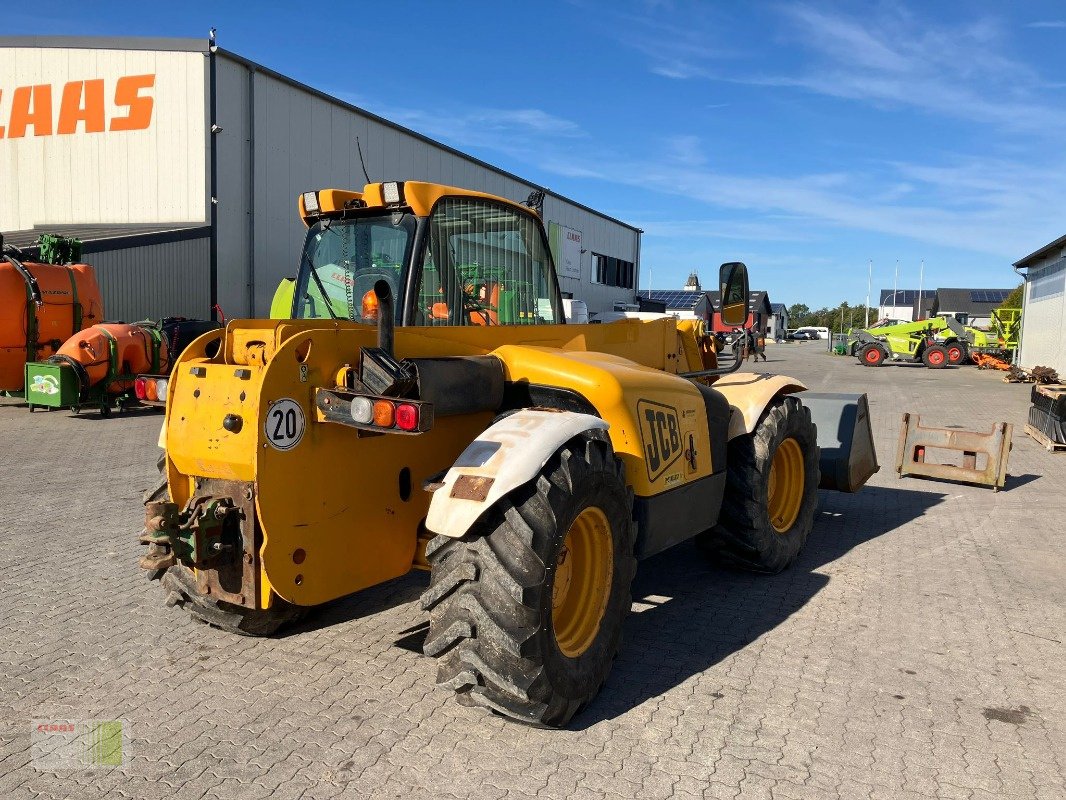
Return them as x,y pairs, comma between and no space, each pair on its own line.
92,106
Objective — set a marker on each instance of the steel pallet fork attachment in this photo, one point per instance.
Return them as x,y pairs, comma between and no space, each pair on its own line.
915,440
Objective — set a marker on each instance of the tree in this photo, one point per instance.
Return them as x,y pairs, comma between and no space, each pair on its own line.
1014,299
797,314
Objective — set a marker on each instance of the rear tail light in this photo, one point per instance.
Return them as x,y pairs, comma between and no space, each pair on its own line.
374,413
139,388
161,389
150,392
407,417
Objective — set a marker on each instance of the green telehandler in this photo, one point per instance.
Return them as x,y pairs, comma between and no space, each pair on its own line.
936,342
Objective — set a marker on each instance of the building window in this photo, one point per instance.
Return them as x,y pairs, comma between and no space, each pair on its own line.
611,271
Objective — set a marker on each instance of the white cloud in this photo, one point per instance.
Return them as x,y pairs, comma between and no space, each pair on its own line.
892,59
1048,23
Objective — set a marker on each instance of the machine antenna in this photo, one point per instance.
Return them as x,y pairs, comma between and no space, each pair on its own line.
359,147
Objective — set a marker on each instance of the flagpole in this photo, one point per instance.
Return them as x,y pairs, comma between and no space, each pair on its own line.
921,281
895,284
869,285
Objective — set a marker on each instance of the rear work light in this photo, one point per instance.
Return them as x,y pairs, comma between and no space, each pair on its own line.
392,193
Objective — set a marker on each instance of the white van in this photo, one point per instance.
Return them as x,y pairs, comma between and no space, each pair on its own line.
821,333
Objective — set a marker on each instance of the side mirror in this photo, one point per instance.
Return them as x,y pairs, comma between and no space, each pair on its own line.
733,293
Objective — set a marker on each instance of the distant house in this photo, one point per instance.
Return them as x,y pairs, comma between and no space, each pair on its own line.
1044,307
778,321
688,303
901,304
692,302
969,306
758,318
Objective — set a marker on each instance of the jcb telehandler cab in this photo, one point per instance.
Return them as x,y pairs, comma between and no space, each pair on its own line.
527,463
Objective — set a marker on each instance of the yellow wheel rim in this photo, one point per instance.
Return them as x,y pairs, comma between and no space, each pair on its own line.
582,586
784,495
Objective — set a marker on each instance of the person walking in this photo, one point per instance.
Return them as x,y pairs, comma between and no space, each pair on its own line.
757,346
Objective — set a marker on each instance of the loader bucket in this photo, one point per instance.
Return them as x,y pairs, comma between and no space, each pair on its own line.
845,438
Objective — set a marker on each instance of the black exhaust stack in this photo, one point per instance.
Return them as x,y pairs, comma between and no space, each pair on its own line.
386,318
379,370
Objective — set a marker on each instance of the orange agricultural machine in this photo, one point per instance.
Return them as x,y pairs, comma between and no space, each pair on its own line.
97,367
41,306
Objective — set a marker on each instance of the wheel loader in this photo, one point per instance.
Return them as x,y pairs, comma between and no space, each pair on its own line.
427,407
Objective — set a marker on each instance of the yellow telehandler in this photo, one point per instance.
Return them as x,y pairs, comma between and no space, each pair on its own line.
427,407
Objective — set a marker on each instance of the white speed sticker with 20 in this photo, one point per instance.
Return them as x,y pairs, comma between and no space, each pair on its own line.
284,426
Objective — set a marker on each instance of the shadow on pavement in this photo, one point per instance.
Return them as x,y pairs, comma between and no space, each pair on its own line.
689,613
692,614
1016,481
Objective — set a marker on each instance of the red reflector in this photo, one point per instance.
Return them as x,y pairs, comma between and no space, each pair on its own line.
407,417
139,388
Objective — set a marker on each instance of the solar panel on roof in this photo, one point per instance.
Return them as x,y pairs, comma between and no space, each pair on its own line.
673,298
988,295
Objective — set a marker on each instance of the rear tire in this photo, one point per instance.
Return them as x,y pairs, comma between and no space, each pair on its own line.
872,355
957,353
771,492
935,356
499,625
180,585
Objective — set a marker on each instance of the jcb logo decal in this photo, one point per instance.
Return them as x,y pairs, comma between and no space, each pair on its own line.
81,104
660,435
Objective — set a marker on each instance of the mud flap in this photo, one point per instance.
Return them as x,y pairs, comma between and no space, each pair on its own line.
845,438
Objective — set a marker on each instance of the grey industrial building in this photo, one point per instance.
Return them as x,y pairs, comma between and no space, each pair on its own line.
1043,342
179,164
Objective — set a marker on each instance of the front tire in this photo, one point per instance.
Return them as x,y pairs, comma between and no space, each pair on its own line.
526,610
935,356
872,355
771,492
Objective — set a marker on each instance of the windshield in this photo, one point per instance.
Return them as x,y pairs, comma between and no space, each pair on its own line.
343,259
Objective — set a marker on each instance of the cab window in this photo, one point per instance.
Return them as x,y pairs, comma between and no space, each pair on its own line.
484,263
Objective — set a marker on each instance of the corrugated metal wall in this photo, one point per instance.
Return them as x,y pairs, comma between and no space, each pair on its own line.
1044,321
280,140
150,282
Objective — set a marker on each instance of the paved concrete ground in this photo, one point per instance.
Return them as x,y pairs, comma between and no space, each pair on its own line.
914,651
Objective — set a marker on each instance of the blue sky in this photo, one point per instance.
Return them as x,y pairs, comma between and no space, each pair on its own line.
803,138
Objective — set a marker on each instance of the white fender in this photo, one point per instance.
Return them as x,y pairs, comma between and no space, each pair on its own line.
505,456
749,394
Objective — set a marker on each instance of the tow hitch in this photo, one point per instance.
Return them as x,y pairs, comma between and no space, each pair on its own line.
214,535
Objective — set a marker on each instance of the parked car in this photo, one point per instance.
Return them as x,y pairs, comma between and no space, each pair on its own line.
802,336
817,333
